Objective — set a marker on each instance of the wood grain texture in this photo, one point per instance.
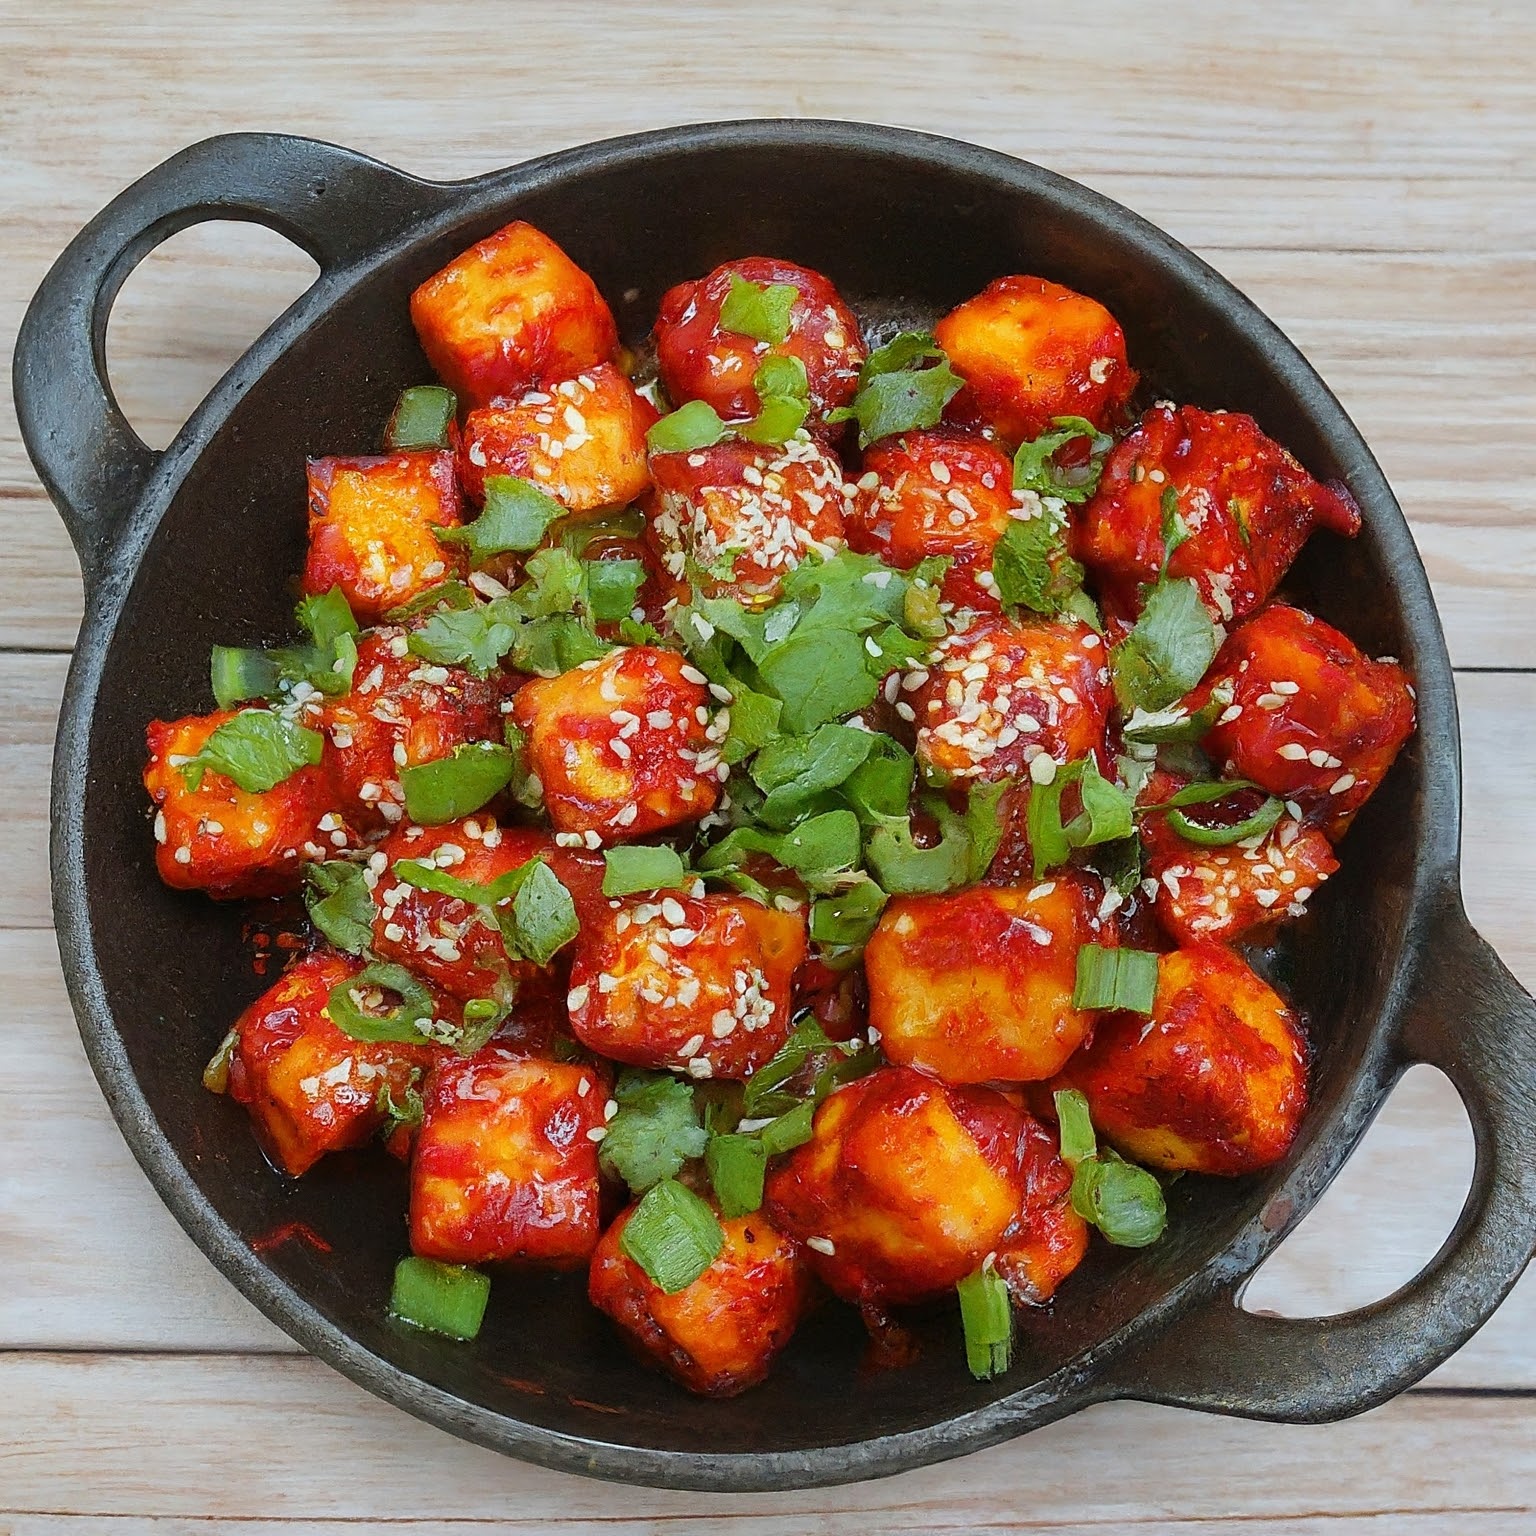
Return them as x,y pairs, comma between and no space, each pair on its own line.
1365,171
177,1436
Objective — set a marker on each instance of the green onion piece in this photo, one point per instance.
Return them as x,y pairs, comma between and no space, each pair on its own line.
407,1112
457,785
1123,1201
778,419
694,425
516,516
781,376
216,1073
792,1129
1076,1127
1255,825
258,750
672,1235
654,1133
524,786
1115,978
240,674
421,418
1175,530
736,1165
400,1024
633,867
483,1016
1168,651
986,1313
340,904
1176,725
761,311
441,1298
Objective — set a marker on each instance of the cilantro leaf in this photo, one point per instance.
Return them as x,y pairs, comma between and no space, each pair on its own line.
694,425
257,749
1168,651
1030,564
820,675
476,637
516,516
902,401
340,904
633,867
1035,467
655,1132
793,770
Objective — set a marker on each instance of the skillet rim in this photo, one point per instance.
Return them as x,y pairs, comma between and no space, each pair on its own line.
1082,1381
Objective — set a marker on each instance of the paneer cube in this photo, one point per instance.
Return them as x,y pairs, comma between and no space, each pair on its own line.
1218,894
1030,350
229,841
719,1335
1312,719
998,694
623,745
372,527
702,985
905,1186
1247,504
456,944
505,1162
1214,1082
936,493
701,359
735,519
402,711
975,986
309,1088
582,440
511,312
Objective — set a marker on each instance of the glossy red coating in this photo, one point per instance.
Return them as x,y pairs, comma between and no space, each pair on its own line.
701,985
372,523
1247,503
1313,719
1030,350
719,1335
511,312
702,361
309,1088
504,1167
228,841
1214,1082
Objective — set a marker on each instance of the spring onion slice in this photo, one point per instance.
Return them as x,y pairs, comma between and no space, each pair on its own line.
441,1298
1115,978
987,1316
672,1235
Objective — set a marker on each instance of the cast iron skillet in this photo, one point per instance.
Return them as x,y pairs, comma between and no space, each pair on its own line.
200,543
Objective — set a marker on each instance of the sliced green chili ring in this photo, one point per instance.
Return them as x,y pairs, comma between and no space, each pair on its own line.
400,1024
1257,825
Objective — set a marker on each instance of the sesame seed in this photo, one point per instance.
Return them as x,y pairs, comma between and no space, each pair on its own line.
822,1245
577,997
1286,687
597,1133
1292,751
1345,781
183,855
1042,769
693,675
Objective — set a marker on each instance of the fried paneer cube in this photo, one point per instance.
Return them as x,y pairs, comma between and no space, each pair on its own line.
997,694
456,944
1218,894
402,712
1312,719
735,519
1247,504
701,359
623,745
1214,1082
976,985
1047,1239
511,312
936,493
582,440
372,527
702,985
907,1184
719,1335
505,1161
1030,350
309,1088
228,841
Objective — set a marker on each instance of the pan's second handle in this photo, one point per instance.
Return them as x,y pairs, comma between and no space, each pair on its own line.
334,204
1473,1020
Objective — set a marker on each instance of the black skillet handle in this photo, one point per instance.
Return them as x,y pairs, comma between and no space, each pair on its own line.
1473,1020
336,205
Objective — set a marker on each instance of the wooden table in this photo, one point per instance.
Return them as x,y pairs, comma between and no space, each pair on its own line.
1363,170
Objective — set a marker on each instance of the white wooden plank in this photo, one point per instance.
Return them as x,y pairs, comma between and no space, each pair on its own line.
278,1438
